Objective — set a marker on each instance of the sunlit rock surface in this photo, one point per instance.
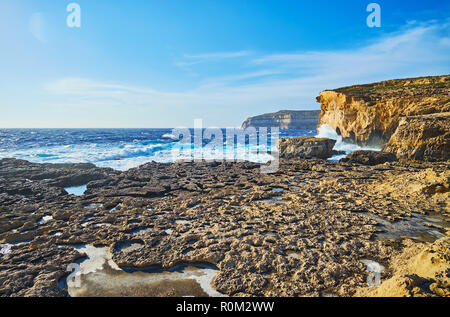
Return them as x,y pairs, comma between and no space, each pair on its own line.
423,138
370,114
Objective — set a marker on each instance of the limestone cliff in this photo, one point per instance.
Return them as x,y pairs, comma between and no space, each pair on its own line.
370,114
285,119
424,138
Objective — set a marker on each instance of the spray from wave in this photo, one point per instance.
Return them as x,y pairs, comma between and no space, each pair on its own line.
326,131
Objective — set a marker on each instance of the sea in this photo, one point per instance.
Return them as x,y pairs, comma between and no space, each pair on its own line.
122,149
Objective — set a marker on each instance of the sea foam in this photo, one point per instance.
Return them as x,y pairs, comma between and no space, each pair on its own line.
326,131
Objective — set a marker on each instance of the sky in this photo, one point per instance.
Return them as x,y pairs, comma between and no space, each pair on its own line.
165,63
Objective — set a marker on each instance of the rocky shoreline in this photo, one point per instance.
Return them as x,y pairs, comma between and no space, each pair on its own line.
302,231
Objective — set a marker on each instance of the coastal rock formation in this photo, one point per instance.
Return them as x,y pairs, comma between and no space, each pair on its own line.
369,157
425,138
285,119
305,147
370,114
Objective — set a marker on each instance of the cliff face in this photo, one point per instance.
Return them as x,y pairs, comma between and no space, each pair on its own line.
370,114
305,147
285,119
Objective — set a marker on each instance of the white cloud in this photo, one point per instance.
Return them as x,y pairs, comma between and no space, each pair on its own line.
37,27
218,55
195,59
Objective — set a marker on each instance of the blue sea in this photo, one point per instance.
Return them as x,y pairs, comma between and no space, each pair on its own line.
120,149
123,149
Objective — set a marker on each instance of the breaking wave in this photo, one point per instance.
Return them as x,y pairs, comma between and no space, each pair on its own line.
326,131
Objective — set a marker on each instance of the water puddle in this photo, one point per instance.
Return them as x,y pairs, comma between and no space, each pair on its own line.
102,224
5,248
45,219
100,276
418,227
115,208
76,190
270,234
26,231
168,231
93,206
278,190
182,222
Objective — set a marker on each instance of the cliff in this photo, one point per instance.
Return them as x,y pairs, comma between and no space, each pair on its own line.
285,119
370,114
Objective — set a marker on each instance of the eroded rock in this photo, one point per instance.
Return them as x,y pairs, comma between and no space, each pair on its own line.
305,148
369,114
227,220
423,138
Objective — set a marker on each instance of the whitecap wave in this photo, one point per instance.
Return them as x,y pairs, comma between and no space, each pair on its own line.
170,136
123,156
326,131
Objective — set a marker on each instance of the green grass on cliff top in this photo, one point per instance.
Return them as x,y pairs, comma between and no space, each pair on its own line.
418,82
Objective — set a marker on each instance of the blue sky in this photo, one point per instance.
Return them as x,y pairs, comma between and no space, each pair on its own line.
164,63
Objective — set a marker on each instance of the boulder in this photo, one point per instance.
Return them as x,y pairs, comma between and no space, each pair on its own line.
305,148
369,158
423,138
